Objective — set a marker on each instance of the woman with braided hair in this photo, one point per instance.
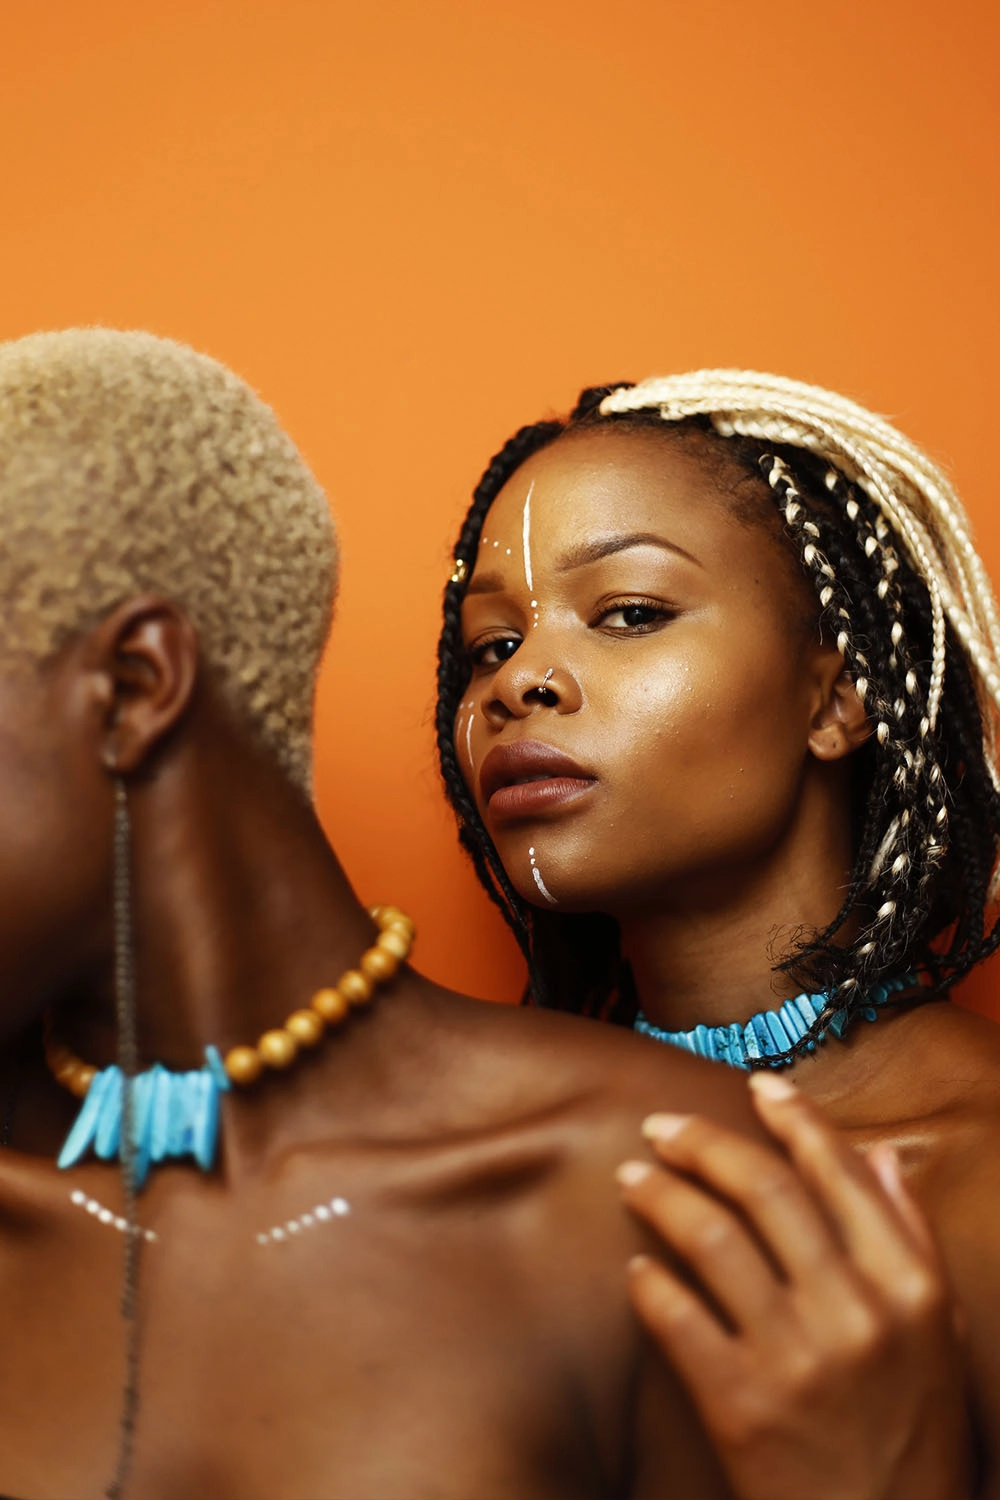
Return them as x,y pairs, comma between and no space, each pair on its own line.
718,704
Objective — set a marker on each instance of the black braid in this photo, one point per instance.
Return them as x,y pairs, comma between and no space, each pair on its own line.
926,812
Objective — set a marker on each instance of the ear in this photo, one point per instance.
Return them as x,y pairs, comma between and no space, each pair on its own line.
839,725
144,659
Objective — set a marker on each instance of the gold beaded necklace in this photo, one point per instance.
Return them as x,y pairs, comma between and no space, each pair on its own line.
176,1114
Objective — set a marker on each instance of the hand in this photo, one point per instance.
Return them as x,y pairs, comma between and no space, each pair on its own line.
818,1335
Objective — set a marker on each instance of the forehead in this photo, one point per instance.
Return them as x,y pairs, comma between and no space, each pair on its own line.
603,481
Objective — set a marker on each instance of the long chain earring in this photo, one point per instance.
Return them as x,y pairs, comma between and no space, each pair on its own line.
128,1061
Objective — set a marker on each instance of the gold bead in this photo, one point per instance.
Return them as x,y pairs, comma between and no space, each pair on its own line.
243,1064
277,1048
81,1080
391,916
65,1071
378,964
306,1026
376,913
355,987
331,1005
393,941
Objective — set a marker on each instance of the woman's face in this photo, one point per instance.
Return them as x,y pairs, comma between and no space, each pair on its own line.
646,674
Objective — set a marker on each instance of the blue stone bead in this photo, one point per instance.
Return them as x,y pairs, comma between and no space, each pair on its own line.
763,1034
751,1045
217,1068
805,1009
161,1088
792,1022
179,1129
84,1127
703,1041
142,1116
782,1041
837,1023
109,1124
206,1123
870,1013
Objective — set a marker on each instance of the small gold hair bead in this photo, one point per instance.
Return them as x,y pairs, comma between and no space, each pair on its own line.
306,1026
277,1048
460,570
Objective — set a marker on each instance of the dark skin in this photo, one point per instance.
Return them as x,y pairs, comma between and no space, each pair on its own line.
465,1330
714,728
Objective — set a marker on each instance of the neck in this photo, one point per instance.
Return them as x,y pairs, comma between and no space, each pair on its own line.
705,954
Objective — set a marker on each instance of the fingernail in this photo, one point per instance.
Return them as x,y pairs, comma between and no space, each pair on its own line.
772,1086
663,1127
631,1173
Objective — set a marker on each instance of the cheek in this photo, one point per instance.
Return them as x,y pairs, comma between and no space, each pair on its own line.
466,720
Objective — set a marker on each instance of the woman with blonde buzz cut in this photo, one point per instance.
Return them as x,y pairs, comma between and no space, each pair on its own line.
718,696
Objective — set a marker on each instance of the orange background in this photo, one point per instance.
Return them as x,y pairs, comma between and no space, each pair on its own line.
416,225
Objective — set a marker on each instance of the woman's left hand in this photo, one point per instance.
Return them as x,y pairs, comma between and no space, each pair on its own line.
818,1334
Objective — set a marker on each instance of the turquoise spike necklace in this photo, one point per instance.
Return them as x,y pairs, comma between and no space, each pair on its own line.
757,1042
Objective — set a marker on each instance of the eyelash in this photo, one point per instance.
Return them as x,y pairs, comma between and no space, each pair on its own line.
660,611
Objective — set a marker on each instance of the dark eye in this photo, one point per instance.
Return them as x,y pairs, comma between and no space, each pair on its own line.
636,615
493,653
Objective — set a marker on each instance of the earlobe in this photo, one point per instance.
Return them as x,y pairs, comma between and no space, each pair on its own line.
146,652
840,725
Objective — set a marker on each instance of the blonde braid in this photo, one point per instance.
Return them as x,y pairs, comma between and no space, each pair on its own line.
916,499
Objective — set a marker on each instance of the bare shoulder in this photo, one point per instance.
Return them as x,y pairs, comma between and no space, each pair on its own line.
597,1078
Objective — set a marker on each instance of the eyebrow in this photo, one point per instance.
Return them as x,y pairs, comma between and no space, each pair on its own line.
590,552
620,541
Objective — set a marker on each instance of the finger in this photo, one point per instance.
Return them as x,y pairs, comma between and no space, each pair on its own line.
708,1238
884,1162
875,1233
686,1332
757,1181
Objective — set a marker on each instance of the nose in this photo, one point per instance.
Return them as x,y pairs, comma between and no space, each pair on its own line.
522,687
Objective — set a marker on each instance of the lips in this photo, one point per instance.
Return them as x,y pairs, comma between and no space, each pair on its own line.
527,778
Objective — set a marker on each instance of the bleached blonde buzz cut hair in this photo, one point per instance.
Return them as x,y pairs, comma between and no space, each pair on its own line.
131,464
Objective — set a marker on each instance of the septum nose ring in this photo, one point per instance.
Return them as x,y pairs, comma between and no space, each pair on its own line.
544,691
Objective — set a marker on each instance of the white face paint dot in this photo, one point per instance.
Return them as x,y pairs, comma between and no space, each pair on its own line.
78,1198
496,544
263,1239
340,1206
322,1213
277,1233
508,551
121,1224
93,1207
293,1226
105,1216
151,1235
307,1221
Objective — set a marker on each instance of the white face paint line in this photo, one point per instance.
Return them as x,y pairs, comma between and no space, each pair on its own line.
468,732
526,538
539,881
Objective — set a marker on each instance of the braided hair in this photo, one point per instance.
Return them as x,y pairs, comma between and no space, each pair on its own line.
883,538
